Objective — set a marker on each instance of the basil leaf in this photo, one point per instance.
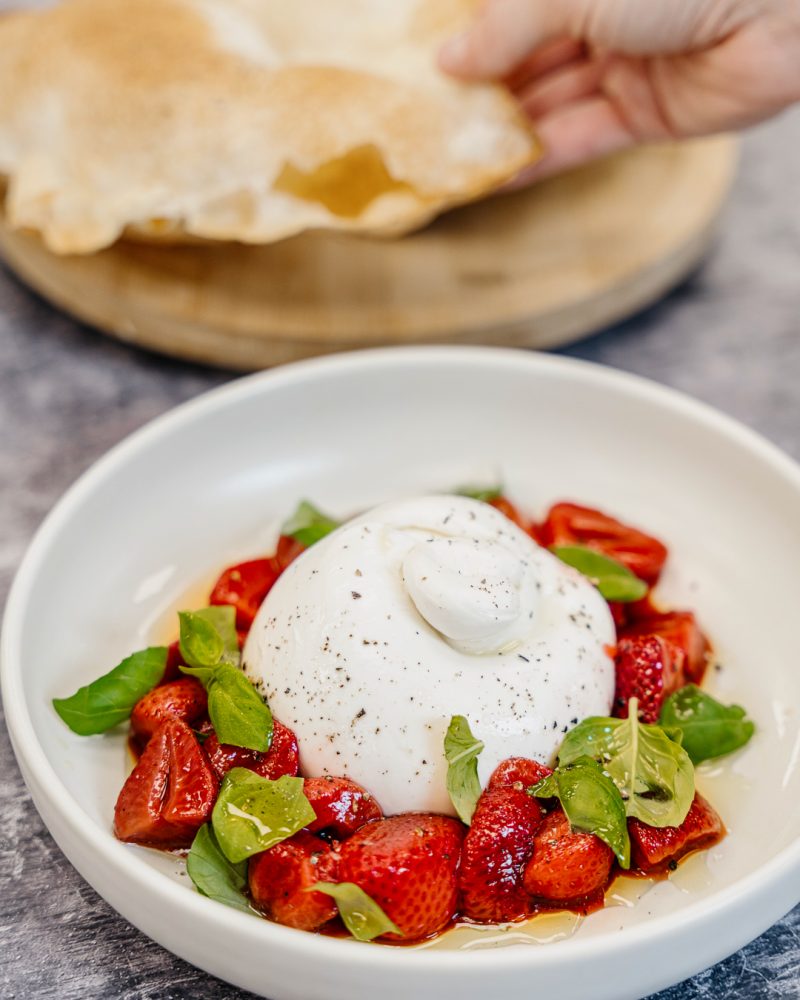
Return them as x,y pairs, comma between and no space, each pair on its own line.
654,775
238,713
208,636
307,525
592,803
614,581
252,813
462,750
484,493
109,700
209,642
203,674
361,914
708,728
213,875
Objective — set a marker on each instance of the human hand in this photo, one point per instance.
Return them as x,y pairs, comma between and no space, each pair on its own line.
596,76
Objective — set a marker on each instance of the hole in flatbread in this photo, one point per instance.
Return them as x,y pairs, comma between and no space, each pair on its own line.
345,185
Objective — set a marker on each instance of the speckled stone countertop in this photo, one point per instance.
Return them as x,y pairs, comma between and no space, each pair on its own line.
729,336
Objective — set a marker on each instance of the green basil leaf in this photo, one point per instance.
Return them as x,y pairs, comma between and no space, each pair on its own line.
213,875
675,734
252,813
238,713
614,581
109,700
203,674
462,750
208,636
484,493
361,914
654,775
708,728
307,525
592,803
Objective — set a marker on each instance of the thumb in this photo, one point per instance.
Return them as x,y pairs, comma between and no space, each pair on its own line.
503,33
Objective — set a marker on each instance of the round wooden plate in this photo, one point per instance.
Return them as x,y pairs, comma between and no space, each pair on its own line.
536,268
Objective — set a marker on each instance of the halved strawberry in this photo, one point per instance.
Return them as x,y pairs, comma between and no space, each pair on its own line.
571,524
170,793
174,661
279,877
520,771
245,586
619,612
341,805
681,629
566,867
287,551
649,668
496,848
183,699
655,848
407,864
281,758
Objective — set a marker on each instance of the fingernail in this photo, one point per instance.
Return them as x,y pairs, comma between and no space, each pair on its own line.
454,51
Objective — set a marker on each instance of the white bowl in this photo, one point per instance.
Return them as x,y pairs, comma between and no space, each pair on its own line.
209,483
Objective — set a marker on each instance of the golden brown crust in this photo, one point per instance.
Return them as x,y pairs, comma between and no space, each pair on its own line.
243,120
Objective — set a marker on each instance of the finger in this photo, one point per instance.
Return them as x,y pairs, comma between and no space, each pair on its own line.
503,33
545,59
574,135
565,86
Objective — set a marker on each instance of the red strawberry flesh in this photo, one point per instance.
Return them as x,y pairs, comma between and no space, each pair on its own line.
496,849
654,848
568,868
170,793
681,629
649,668
518,770
341,806
281,758
278,880
572,524
245,586
408,865
183,699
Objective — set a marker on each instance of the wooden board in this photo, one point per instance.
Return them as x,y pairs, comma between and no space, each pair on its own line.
537,268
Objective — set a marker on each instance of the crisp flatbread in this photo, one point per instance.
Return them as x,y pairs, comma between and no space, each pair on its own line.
246,120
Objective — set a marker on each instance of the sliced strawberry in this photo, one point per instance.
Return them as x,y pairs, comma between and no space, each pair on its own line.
279,877
245,586
281,758
170,793
566,867
288,550
619,612
174,661
655,848
496,848
681,629
341,805
535,531
571,524
407,864
518,771
183,699
648,668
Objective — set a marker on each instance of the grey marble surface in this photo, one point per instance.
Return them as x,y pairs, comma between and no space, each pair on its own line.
730,336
